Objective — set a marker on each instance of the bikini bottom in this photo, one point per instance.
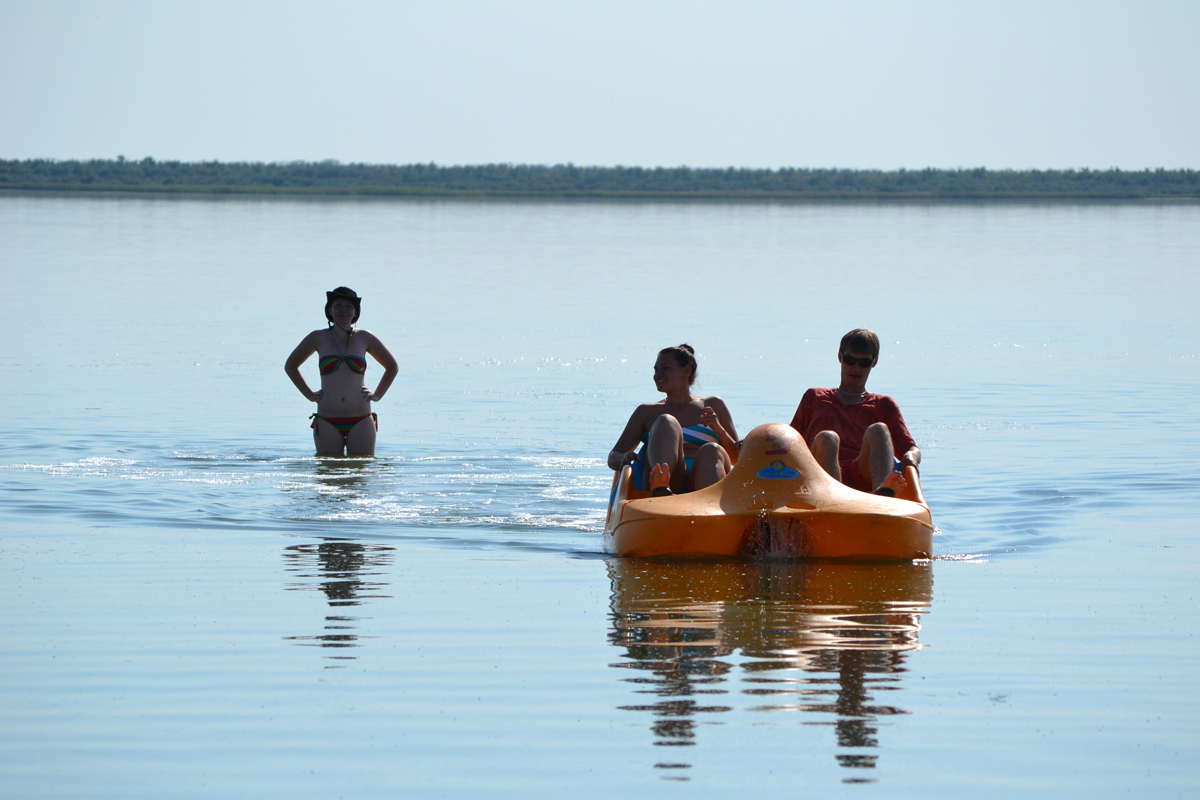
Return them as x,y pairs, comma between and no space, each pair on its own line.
343,424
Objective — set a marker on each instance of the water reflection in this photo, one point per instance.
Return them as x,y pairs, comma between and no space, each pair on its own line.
818,638
341,570
339,488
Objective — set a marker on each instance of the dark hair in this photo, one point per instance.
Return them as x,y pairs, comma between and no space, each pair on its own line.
862,341
343,293
684,356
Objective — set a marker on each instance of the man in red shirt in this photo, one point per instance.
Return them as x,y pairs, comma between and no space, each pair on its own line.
857,437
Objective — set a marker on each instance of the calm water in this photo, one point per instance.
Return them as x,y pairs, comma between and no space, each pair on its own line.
195,606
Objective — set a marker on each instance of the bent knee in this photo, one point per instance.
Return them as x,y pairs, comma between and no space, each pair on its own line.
666,422
711,452
878,430
826,441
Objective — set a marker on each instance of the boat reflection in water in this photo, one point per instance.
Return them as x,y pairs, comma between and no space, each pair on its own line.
342,570
821,637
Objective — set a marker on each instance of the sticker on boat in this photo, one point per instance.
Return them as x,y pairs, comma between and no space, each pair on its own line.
777,471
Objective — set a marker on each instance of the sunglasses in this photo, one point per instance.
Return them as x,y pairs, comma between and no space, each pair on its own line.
865,363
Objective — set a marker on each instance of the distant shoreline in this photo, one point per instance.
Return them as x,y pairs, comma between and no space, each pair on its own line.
329,178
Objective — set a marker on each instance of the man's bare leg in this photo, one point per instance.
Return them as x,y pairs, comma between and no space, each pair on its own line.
896,482
825,450
876,461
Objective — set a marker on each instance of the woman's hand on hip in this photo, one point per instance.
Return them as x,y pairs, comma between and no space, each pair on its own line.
317,396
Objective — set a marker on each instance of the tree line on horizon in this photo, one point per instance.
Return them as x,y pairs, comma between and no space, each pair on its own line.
332,177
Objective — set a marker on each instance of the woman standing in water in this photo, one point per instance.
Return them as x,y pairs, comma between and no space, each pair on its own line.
343,424
690,440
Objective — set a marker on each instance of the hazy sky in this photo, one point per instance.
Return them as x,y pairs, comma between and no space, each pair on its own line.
848,84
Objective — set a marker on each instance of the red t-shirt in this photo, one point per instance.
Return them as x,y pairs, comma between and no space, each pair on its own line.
820,410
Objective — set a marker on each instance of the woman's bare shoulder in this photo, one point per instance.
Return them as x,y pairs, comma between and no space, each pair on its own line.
314,336
366,334
648,410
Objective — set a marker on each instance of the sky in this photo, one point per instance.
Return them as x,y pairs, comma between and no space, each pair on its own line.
865,85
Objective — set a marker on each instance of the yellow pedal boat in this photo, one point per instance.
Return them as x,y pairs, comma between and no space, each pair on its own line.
777,501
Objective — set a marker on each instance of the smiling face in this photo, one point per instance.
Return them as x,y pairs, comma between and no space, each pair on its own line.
854,374
342,312
669,376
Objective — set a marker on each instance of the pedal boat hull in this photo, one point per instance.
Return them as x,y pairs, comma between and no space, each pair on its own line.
776,502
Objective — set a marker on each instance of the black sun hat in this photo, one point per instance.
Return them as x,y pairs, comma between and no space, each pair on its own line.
343,293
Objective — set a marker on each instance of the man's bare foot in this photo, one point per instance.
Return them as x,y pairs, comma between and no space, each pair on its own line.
892,485
660,480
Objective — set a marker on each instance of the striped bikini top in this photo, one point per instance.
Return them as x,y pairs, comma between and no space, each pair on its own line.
694,434
330,364
700,434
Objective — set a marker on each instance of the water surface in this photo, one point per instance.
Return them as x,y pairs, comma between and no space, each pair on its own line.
196,605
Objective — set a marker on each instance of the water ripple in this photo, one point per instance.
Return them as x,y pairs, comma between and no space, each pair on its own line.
555,500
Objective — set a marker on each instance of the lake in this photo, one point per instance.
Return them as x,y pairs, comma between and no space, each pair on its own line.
195,606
